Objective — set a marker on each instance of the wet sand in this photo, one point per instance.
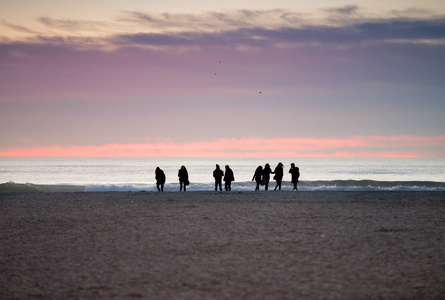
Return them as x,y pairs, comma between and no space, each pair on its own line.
237,245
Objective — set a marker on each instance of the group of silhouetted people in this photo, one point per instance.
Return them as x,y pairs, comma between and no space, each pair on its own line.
228,177
183,176
261,177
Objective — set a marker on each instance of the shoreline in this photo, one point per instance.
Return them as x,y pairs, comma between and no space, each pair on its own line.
223,245
309,186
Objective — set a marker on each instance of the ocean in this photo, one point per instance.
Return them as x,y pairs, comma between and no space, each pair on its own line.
137,174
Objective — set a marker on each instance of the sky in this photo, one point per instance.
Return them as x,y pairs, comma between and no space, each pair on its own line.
169,78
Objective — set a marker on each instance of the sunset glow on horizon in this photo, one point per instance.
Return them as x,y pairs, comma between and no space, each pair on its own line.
233,79
253,147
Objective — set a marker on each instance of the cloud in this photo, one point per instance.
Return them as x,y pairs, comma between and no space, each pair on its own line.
62,24
346,10
411,12
78,28
18,28
153,39
275,27
354,35
359,146
210,21
241,28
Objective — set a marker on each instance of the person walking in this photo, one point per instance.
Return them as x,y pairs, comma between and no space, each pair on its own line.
278,176
160,179
218,175
183,178
258,177
266,176
228,178
295,175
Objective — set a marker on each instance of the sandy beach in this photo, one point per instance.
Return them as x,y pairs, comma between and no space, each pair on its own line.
222,245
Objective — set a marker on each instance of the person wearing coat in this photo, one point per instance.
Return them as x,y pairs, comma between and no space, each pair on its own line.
218,175
183,178
258,177
295,175
160,179
228,178
278,176
266,176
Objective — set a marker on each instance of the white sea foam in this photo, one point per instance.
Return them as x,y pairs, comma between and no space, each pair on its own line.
236,186
350,185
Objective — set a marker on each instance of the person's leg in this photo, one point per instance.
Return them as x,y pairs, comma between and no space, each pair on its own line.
157,186
180,186
162,187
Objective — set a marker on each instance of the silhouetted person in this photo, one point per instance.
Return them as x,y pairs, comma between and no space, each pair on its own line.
266,176
295,172
183,178
218,174
228,178
278,176
258,177
160,179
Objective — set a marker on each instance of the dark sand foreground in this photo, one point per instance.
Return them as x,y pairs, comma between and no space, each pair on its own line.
207,245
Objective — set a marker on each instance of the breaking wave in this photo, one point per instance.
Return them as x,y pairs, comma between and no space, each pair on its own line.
319,185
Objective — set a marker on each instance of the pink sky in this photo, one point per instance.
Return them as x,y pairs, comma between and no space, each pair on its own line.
372,146
326,79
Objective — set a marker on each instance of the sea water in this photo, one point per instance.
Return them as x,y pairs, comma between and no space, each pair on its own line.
138,174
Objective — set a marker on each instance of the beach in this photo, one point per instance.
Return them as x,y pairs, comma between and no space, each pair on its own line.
222,245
